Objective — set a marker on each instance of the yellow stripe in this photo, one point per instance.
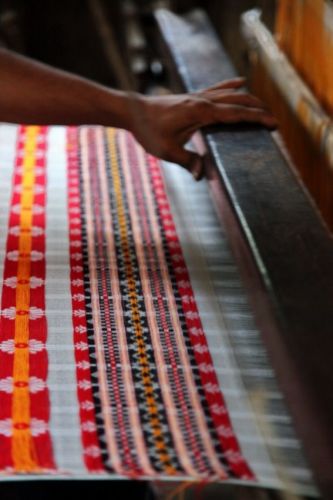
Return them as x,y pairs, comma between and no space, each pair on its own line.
157,431
23,452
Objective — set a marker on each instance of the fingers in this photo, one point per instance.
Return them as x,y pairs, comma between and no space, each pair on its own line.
238,98
235,114
234,83
224,104
189,160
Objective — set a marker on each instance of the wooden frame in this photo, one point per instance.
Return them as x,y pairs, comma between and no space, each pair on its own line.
283,248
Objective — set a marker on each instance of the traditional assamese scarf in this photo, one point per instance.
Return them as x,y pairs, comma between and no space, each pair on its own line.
127,346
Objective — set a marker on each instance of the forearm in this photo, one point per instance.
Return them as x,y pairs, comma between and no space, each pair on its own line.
31,92
34,93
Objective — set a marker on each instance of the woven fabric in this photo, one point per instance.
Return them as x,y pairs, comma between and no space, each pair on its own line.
109,361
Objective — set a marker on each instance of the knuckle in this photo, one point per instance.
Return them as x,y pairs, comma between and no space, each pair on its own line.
207,111
200,105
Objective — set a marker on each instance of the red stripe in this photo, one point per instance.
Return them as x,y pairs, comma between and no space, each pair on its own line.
221,419
92,457
7,327
39,401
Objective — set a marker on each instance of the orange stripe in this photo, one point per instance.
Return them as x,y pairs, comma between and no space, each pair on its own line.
158,437
23,451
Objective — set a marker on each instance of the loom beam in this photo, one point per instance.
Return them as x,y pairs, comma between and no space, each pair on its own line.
295,92
283,249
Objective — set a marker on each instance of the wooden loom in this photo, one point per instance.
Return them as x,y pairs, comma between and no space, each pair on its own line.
293,73
283,249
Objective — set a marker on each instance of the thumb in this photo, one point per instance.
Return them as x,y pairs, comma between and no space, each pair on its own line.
193,162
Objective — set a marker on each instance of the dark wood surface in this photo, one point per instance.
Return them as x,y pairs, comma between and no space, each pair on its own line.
283,248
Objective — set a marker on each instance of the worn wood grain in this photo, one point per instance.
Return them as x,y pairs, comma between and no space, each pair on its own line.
283,247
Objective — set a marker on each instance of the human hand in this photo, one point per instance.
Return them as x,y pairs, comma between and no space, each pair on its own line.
164,124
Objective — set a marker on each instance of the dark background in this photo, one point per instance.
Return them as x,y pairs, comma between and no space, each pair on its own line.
113,41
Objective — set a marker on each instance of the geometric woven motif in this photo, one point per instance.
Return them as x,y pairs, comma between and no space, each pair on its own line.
106,367
146,386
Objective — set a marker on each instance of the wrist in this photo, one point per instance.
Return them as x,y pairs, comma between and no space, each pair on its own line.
121,109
